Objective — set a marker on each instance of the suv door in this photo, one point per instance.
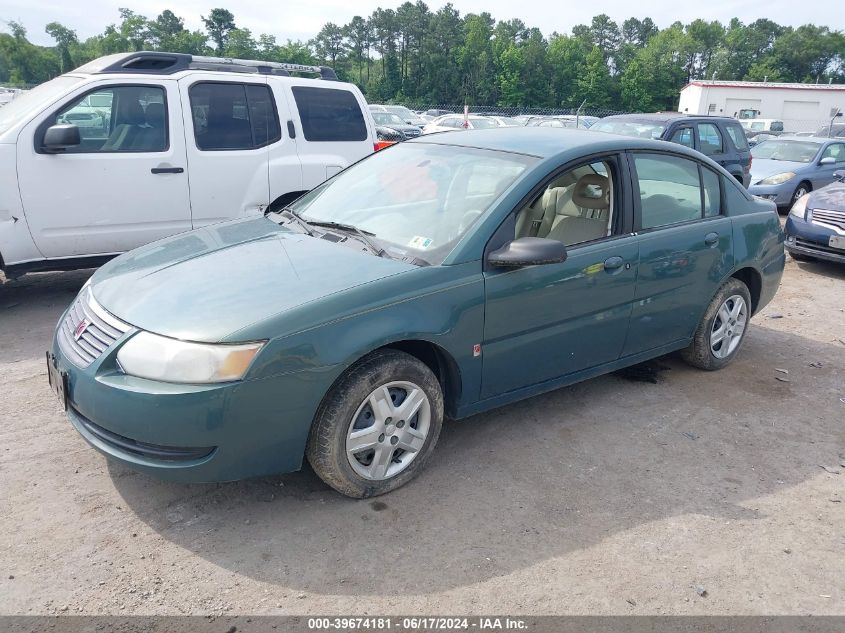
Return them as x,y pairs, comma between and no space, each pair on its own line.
544,322
330,127
123,186
685,246
230,127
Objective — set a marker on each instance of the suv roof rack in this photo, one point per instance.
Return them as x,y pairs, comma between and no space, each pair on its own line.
160,63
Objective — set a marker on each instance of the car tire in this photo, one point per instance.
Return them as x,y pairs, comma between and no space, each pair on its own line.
802,189
356,445
716,341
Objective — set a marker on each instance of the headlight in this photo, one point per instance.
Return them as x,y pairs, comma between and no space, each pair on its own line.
156,357
777,179
799,209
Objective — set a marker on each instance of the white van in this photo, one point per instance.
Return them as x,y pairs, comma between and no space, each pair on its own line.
133,147
762,125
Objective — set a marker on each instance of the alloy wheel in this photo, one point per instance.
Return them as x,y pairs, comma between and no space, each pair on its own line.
728,326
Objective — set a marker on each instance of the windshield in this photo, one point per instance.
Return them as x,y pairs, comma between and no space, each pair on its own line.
483,124
387,118
32,101
401,111
793,151
640,129
417,199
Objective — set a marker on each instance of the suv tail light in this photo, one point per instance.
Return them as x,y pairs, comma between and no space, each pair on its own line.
382,144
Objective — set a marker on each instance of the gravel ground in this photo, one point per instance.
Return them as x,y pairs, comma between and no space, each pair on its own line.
705,493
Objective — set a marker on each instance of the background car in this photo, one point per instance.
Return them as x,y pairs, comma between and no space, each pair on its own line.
441,277
388,119
787,167
815,227
411,118
387,137
720,138
452,122
506,121
430,115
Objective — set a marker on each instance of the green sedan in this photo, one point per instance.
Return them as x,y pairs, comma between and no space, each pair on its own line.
439,278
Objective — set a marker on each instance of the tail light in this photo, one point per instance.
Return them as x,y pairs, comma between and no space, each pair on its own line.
382,144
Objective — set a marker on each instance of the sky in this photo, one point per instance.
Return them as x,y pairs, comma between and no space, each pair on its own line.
301,19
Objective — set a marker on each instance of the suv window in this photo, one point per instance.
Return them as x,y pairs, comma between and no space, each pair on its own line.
683,136
329,114
737,135
118,119
709,139
575,207
671,190
231,116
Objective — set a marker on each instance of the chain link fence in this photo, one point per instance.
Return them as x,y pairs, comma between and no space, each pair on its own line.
514,110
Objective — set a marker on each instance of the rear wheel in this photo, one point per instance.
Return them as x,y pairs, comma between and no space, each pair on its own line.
719,336
377,426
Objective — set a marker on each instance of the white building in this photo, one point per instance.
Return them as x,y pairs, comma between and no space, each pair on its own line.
801,107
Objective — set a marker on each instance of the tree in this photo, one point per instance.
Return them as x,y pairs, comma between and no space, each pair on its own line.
329,43
240,45
594,82
135,29
65,38
165,29
475,59
219,24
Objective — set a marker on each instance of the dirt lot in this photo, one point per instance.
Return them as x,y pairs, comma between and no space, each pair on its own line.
609,497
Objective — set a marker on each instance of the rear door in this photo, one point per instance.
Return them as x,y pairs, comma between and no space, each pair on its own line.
685,247
330,127
124,186
229,127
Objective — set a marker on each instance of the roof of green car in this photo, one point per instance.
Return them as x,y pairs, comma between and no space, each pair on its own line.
542,142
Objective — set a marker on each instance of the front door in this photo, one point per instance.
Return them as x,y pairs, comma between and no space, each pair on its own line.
125,185
685,248
543,322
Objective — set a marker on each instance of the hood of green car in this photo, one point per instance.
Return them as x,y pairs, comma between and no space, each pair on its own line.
207,284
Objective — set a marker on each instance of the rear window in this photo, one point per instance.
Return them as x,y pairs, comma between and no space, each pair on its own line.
737,136
639,129
329,114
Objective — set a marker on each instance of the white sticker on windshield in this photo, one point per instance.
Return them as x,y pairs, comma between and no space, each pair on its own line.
420,242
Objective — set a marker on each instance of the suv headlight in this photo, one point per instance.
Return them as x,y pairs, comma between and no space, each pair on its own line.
148,355
799,209
778,179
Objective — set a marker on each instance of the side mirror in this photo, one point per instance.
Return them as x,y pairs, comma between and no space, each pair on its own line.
839,175
827,160
59,137
528,251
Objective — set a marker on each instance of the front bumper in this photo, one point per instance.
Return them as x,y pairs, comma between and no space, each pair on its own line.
780,194
193,433
806,238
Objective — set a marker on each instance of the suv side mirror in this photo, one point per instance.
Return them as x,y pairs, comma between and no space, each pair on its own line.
59,137
528,251
827,160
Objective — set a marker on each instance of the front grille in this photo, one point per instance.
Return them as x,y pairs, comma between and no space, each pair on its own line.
829,218
143,449
83,348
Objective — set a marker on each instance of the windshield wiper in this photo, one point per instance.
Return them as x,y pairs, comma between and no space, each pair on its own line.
298,218
351,228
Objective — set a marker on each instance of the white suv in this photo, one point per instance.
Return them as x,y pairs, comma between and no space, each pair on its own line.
133,147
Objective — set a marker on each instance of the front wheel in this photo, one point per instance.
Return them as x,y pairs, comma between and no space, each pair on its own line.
377,426
800,191
719,336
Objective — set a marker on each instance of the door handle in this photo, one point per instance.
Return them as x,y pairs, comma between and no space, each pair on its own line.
613,263
167,170
291,130
711,239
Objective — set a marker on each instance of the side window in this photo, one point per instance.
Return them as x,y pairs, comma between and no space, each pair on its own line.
231,116
671,191
709,138
712,193
329,114
683,136
776,126
118,119
737,135
576,207
836,151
